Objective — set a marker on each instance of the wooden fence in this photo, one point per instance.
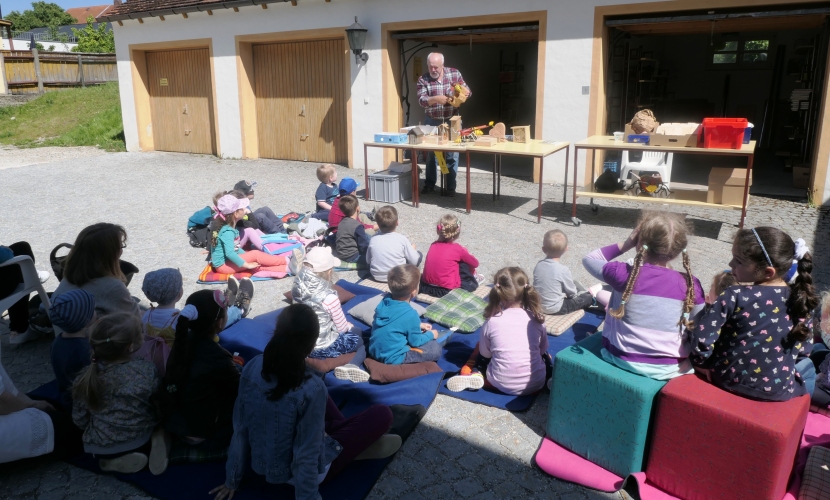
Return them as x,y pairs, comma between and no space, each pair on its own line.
30,72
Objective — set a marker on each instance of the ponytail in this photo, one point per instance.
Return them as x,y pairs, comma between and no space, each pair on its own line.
88,388
629,285
802,299
532,303
178,364
689,303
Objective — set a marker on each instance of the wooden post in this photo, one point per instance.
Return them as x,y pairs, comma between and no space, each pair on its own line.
81,71
4,89
37,71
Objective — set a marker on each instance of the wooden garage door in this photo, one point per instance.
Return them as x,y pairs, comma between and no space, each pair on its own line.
181,101
301,100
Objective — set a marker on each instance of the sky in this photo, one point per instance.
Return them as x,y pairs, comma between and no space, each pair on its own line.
21,5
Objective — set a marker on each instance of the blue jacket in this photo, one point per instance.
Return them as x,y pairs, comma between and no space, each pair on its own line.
396,327
283,439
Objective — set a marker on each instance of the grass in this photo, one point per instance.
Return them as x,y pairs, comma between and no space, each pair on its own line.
75,117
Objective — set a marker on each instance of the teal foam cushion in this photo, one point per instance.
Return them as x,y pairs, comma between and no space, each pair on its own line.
598,411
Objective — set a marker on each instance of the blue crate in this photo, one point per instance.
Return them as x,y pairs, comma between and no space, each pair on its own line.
610,165
391,138
638,138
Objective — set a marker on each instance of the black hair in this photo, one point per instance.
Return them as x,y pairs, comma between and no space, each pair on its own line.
284,358
780,248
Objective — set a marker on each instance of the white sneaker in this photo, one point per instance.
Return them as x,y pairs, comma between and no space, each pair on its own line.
459,383
351,372
160,444
125,464
28,335
43,276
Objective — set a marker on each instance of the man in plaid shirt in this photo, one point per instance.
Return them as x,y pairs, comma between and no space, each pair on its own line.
434,90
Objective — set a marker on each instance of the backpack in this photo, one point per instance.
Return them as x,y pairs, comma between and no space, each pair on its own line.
199,236
608,182
292,217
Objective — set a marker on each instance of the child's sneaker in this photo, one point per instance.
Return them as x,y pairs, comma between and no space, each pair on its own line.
371,215
246,293
28,335
125,464
480,278
160,445
594,290
231,290
462,382
351,372
386,446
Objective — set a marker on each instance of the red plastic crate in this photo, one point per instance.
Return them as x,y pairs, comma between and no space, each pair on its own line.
724,133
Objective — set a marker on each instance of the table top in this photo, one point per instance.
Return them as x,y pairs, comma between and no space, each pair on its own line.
534,148
607,142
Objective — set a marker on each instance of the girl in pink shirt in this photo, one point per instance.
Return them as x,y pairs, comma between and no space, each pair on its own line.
512,353
448,265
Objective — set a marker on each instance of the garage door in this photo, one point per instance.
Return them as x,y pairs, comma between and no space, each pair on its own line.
301,100
181,101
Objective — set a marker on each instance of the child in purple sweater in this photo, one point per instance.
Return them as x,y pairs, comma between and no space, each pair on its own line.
651,304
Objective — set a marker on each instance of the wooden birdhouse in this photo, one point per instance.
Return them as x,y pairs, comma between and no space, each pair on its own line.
521,133
416,135
455,127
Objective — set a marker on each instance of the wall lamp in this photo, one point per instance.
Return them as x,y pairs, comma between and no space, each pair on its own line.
357,40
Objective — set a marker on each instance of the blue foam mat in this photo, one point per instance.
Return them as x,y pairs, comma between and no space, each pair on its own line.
458,350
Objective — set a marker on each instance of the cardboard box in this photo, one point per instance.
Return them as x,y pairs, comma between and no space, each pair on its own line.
630,131
689,140
726,186
801,177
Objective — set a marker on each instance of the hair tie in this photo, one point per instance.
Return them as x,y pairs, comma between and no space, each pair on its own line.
645,247
684,250
440,227
801,249
497,285
769,261
219,214
527,285
686,316
622,302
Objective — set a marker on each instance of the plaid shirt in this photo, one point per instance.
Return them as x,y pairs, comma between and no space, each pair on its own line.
430,87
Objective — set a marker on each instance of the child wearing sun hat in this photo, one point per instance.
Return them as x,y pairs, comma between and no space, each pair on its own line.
72,312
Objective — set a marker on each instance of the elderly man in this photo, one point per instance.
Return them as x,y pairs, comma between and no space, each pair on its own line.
434,90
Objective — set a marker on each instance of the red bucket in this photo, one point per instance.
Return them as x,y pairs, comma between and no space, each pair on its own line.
724,133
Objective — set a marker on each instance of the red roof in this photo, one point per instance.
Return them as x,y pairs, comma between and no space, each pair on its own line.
136,9
81,13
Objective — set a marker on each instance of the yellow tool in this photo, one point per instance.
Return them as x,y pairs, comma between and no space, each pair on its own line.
442,162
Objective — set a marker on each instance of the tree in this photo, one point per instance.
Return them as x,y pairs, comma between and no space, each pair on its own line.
91,39
41,15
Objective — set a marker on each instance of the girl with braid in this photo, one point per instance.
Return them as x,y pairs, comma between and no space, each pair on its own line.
755,339
651,305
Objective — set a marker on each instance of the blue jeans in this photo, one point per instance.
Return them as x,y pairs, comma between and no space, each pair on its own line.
234,315
432,164
807,370
431,351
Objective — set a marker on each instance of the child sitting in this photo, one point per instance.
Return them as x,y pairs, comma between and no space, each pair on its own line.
720,283
200,386
72,312
326,192
553,280
312,286
351,241
651,303
448,265
164,287
510,356
388,248
398,336
226,256
750,337
267,221
348,186
111,398
821,392
285,424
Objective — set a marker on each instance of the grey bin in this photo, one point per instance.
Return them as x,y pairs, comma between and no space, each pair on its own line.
390,187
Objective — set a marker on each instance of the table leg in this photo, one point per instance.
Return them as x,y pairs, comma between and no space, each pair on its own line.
541,177
749,160
469,194
415,177
366,192
499,179
576,158
495,161
565,190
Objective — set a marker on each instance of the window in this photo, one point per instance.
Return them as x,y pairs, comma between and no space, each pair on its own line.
746,54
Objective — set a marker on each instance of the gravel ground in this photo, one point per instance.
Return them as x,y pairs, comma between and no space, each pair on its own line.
460,449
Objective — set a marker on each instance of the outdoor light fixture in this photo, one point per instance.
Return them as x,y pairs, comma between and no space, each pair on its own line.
357,39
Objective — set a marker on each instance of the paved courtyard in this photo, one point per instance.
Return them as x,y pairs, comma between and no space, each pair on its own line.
460,449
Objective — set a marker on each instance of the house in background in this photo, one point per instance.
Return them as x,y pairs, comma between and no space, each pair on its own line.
22,39
276,79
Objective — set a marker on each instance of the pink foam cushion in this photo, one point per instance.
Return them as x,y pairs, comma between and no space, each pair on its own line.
708,443
564,464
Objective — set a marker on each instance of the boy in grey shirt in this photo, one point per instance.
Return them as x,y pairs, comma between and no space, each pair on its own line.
553,280
387,248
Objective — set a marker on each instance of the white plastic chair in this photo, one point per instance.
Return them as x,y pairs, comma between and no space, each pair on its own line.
31,283
652,161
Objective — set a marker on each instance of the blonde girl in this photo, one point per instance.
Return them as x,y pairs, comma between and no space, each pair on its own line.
651,304
226,256
511,355
448,264
111,399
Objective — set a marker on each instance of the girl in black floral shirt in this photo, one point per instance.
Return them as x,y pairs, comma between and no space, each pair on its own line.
753,335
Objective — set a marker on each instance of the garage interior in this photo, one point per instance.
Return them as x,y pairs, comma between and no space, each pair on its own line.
768,67
499,63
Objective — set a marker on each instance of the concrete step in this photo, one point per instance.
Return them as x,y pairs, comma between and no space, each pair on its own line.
16,99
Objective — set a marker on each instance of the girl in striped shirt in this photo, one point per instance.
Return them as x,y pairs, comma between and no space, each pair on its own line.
651,304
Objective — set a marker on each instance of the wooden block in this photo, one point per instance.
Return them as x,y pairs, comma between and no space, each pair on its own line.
430,139
486,141
521,133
